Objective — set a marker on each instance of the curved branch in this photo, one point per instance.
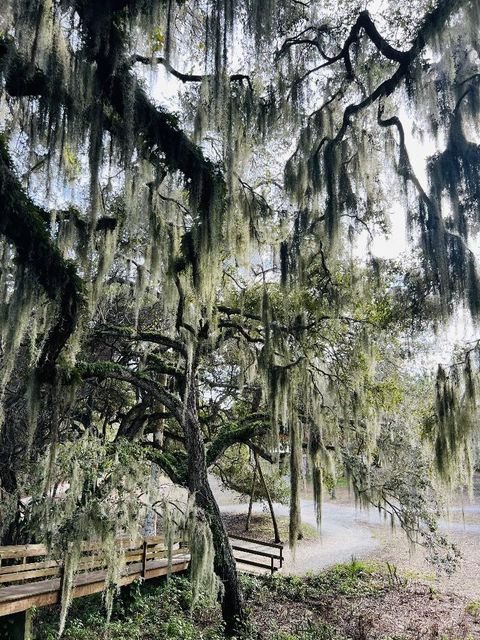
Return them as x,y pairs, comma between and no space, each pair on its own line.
173,464
145,336
191,77
112,370
228,437
22,224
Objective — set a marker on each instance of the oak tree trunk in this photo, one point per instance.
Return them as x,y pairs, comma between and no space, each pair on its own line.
198,484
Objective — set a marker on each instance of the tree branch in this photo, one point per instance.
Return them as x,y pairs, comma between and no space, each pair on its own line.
190,77
22,224
112,370
228,437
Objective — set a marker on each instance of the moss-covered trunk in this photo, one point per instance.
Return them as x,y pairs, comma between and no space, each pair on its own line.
224,564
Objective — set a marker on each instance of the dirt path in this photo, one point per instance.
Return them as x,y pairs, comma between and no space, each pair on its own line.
349,532
345,532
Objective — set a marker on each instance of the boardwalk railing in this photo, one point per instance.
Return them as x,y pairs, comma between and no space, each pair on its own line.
255,553
29,577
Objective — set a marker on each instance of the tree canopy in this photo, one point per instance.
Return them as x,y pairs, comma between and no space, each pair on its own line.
191,195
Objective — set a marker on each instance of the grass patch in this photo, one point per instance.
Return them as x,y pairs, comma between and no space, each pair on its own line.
345,602
352,579
473,608
261,527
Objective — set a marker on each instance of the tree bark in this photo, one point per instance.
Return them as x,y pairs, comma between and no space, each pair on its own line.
250,504
11,533
198,485
269,499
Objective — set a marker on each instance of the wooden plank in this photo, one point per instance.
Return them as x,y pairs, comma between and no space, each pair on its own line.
30,575
275,545
256,552
252,563
161,553
23,551
120,543
160,540
29,566
163,571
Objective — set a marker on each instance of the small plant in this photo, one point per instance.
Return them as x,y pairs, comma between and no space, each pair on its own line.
250,585
353,578
142,611
291,587
473,608
432,593
394,579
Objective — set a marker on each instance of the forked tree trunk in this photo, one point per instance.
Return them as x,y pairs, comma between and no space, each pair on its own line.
252,492
269,499
198,485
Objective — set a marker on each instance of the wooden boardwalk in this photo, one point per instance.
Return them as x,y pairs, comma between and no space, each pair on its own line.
20,597
32,579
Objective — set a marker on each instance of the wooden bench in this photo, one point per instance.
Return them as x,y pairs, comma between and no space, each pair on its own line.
256,553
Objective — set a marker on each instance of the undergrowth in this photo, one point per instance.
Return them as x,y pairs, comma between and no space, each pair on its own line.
166,610
351,579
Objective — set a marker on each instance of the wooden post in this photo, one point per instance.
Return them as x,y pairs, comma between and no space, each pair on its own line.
17,626
144,560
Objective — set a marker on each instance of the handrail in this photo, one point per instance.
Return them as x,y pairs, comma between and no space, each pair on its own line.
32,563
276,545
273,557
256,552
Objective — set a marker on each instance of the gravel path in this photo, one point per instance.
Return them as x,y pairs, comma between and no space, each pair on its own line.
349,532
345,532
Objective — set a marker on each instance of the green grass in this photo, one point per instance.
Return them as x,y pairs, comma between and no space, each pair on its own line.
163,612
354,578
473,608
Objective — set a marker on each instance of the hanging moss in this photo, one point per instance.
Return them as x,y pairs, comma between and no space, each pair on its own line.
158,258
455,413
23,226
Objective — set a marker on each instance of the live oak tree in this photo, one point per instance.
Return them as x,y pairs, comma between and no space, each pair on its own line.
122,222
